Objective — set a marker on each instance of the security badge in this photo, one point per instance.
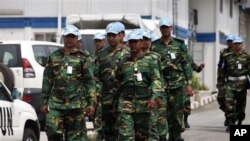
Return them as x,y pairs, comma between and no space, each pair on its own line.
172,55
69,69
138,75
239,65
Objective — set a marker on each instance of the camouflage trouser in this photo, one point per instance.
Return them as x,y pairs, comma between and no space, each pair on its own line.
67,124
187,105
235,104
158,121
175,111
221,98
109,128
133,126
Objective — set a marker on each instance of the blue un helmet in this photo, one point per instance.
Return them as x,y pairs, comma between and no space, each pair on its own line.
146,34
70,29
238,39
134,35
166,22
112,28
231,37
120,26
99,36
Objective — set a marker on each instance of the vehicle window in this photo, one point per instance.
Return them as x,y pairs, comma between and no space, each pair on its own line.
10,55
87,43
3,93
53,48
40,54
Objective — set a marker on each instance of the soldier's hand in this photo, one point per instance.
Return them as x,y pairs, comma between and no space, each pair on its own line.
151,104
202,66
90,110
44,109
189,90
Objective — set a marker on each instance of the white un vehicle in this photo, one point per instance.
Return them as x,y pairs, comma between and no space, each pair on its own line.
18,119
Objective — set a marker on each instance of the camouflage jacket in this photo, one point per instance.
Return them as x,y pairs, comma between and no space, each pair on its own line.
237,70
139,82
220,71
176,67
157,57
68,81
107,64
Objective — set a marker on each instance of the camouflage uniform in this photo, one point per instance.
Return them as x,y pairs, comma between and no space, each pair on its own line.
98,111
159,124
133,119
67,93
107,64
237,70
177,73
221,78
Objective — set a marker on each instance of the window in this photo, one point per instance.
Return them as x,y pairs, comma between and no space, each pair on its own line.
51,37
40,54
10,55
53,48
231,8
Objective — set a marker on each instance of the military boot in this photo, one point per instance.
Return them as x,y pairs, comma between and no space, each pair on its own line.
186,121
179,138
231,122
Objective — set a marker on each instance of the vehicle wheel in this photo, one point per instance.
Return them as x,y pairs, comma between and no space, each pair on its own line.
29,135
7,76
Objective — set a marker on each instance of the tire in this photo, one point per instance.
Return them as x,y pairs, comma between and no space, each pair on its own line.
7,76
29,135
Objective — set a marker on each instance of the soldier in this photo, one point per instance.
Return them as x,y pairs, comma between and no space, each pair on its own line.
237,69
68,90
107,64
221,75
140,81
187,102
160,129
177,74
99,43
121,30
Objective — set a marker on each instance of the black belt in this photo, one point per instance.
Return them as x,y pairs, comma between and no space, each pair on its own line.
135,93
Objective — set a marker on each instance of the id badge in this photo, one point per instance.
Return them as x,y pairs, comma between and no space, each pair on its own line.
89,125
239,66
139,76
172,55
69,69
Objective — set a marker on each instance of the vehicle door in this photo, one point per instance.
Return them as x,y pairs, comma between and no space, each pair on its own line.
7,130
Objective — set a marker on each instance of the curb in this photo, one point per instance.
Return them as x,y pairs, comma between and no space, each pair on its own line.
203,101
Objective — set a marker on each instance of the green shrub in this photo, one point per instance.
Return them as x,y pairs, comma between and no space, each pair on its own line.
197,85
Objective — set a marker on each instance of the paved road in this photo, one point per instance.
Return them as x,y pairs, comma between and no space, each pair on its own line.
206,124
